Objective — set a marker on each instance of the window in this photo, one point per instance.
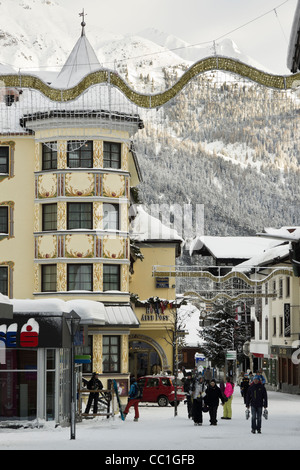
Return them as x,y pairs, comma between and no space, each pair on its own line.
49,156
80,215
49,278
280,288
4,160
111,353
19,385
80,277
3,219
110,217
266,328
267,292
111,277
111,155
4,280
274,289
280,326
80,155
287,286
49,217
274,326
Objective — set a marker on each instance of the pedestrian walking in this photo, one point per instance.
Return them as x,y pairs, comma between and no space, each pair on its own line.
245,383
228,392
134,398
198,394
212,400
207,375
93,384
188,392
257,398
262,376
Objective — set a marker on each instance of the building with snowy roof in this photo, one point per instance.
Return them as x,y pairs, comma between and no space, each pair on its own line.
66,172
275,313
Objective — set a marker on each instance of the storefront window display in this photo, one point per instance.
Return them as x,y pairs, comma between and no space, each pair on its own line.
18,385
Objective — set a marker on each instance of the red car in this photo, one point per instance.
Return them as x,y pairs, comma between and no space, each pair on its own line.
161,389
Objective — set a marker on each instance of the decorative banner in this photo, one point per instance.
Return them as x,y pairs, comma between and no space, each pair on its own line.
151,101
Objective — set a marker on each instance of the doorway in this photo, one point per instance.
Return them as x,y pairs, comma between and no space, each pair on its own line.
143,359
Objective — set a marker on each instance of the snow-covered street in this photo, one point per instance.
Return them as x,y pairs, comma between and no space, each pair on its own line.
159,430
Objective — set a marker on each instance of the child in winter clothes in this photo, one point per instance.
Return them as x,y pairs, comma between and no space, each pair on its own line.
228,392
212,398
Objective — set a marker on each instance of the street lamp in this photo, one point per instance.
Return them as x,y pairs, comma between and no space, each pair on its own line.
73,323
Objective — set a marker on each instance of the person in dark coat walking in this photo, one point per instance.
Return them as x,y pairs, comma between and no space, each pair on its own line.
198,394
187,390
93,384
212,400
257,398
245,383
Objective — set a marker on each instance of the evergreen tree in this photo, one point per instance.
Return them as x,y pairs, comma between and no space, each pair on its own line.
222,333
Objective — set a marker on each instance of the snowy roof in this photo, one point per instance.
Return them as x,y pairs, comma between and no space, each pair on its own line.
231,247
293,57
81,61
145,227
90,311
288,233
277,253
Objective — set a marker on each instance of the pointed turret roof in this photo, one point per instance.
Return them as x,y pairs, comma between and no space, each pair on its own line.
81,62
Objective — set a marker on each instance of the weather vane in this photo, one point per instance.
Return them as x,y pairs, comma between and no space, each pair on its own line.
83,22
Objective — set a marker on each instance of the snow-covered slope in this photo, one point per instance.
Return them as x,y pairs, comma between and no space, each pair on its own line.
25,45
193,53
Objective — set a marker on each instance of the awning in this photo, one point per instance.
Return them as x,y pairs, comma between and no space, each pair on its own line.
120,315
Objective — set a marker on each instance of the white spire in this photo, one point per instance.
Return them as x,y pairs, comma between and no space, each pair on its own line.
80,62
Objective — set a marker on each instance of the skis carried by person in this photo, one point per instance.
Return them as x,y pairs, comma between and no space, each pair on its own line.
118,400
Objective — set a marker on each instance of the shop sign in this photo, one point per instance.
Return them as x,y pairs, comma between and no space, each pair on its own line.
154,317
26,337
37,330
162,282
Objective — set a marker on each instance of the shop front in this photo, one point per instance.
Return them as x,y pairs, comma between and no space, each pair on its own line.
35,358
288,371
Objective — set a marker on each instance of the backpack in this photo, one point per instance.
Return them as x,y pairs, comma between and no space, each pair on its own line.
138,392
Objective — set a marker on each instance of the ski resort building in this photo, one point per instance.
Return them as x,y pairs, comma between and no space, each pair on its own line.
67,169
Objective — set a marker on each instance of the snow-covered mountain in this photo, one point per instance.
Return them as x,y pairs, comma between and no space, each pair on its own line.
228,146
25,45
193,53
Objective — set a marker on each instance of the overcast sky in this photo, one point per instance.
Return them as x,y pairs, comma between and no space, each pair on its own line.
198,21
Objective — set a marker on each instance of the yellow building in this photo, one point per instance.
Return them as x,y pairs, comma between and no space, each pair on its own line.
66,173
67,169
153,298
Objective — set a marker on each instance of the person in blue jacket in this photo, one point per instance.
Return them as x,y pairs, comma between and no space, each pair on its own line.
257,398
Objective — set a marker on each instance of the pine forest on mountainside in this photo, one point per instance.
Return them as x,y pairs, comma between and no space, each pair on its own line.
226,143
